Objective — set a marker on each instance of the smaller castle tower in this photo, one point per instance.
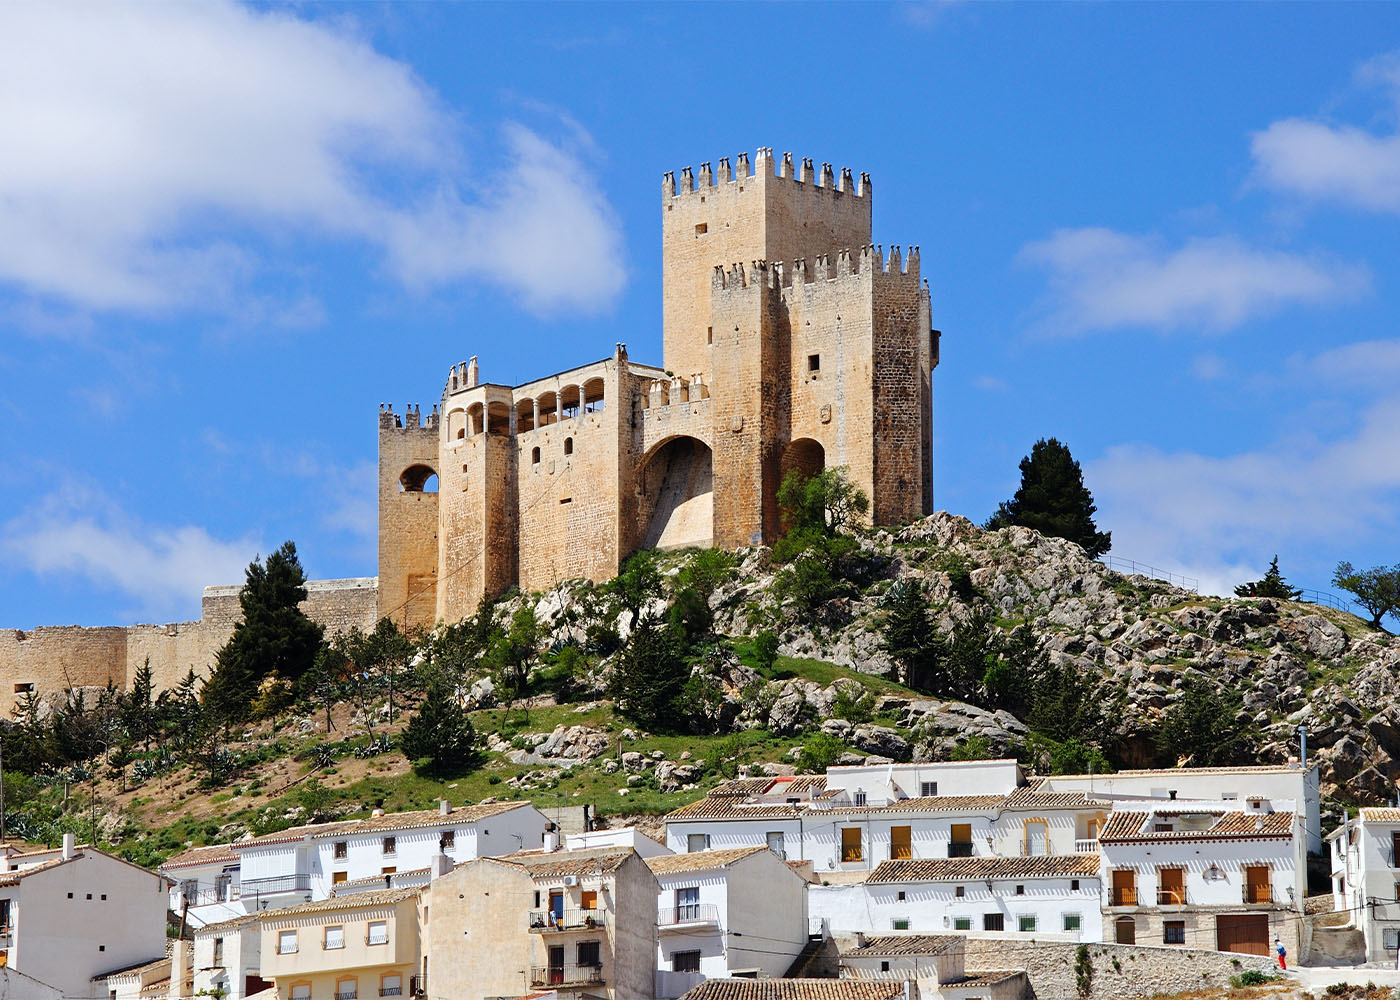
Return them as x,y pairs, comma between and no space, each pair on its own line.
408,515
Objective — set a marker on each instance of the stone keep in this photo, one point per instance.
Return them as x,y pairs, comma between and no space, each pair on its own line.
790,342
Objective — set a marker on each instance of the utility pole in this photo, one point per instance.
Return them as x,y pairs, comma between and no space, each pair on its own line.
2,790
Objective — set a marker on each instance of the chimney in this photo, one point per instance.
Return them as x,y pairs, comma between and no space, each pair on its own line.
375,814
70,844
444,807
551,840
442,865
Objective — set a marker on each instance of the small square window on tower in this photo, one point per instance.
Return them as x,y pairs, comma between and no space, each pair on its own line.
814,362
702,228
709,339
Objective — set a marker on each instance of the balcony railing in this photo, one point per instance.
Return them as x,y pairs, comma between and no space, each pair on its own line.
351,995
566,975
295,882
1122,897
548,921
687,914
960,849
418,985
1259,894
1089,845
390,991
210,896
1171,897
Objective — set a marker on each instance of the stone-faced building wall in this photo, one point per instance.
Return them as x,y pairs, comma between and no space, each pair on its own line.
408,515
790,343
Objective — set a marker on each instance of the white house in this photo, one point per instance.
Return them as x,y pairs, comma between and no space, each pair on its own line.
227,958
307,862
933,962
1052,897
1366,878
724,913
622,837
140,982
78,916
1228,875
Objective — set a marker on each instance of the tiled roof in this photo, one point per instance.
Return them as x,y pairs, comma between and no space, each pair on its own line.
131,970
1184,771
217,854
726,807
387,823
795,989
598,861
699,861
224,926
1035,797
393,877
1127,827
1379,814
970,869
989,978
13,878
907,944
383,897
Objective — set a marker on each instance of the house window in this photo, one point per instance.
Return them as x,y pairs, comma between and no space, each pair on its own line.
900,924
588,899
346,989
4,914
709,335
697,842
391,845
701,228
959,891
378,932
390,985
901,842
301,991
850,844
1074,885
962,923
335,938
1124,890
860,797
928,789
688,903
342,849
1171,887
1020,890
287,943
1025,923
1256,884
24,687
338,878
993,922
1037,838
899,895
388,869
589,955
1174,932
685,961
1390,938
884,967
1071,922
218,962
448,840
775,843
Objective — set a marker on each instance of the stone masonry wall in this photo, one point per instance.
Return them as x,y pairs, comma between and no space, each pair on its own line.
1121,972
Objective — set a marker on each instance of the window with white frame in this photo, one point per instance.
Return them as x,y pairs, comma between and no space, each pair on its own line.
301,991
962,923
390,985
697,842
1026,922
335,937
286,942
928,789
347,989
1390,938
1072,922
391,845
378,932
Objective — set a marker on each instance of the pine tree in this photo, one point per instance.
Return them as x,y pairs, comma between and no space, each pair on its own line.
1273,585
439,738
138,706
1053,500
274,637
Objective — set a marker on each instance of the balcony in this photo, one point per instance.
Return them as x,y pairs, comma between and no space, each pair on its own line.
390,991
1089,845
1122,897
1171,897
277,884
690,916
550,921
418,985
1258,895
350,995
960,849
566,975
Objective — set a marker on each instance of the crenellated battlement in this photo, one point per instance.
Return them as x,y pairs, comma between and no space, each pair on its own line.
867,260
412,418
467,375
808,176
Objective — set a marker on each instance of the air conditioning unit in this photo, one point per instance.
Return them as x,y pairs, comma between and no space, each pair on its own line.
570,881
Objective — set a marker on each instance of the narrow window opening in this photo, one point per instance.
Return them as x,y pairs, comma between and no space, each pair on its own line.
702,228
814,362
568,446
567,500
534,456
709,335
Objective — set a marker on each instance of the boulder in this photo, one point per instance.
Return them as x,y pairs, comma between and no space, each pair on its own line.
880,740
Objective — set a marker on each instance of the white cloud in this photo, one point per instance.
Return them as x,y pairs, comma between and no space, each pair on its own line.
148,146
1209,367
990,383
1102,279
1221,515
163,569
1328,161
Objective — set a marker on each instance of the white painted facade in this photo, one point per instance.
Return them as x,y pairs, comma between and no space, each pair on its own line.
225,957
748,915
1365,853
883,784
1048,908
623,837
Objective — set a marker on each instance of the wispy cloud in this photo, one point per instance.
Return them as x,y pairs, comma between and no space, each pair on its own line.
1324,160
1101,279
148,147
81,533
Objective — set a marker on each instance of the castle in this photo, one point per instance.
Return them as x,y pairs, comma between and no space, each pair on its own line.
789,342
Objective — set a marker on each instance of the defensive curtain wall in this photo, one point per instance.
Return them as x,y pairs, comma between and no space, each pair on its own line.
49,659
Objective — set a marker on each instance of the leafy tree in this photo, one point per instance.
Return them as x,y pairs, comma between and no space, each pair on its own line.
765,651
378,655
1376,589
649,674
1071,756
1053,499
275,636
1273,585
974,747
439,739
512,653
821,556
910,637
1201,728
634,588
138,706
821,751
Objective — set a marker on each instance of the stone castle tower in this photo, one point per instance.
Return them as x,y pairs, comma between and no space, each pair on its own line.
790,341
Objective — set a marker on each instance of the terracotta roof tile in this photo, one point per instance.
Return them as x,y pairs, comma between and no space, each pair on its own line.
727,807
698,861
232,924
1128,827
970,869
216,854
976,979
1379,814
384,897
355,883
598,861
795,989
383,824
908,944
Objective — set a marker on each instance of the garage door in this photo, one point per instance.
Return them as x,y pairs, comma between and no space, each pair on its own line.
1246,933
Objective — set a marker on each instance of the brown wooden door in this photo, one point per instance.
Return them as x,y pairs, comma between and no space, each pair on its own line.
1124,888
1243,933
1171,887
1125,930
1256,884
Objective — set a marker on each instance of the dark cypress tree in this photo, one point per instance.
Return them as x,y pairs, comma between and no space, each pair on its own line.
1054,500
1273,585
439,739
274,637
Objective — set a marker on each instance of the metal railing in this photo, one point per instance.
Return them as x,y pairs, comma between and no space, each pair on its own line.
1129,567
566,975
390,991
1328,600
418,985
1122,897
208,897
959,849
687,913
295,882
1257,894
544,921
352,995
1171,897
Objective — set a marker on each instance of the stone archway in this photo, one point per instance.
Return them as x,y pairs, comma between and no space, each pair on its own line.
805,455
675,495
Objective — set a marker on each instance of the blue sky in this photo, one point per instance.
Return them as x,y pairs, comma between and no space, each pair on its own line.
1163,233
